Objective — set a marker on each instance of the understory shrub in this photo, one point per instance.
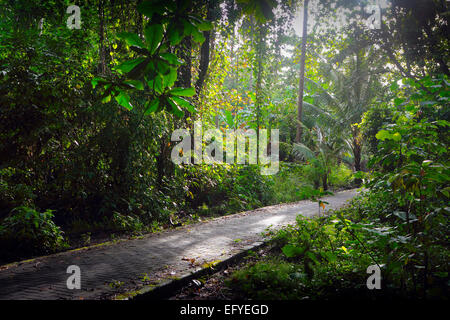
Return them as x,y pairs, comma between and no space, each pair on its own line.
327,257
295,181
29,231
225,189
340,176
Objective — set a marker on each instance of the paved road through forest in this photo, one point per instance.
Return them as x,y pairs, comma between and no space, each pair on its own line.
127,264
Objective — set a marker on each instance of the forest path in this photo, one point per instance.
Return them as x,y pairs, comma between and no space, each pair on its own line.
129,264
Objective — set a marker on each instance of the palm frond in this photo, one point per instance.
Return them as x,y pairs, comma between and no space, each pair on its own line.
302,152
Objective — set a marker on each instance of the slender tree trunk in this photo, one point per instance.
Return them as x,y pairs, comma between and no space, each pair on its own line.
356,148
325,181
298,136
259,71
204,63
357,155
204,53
316,184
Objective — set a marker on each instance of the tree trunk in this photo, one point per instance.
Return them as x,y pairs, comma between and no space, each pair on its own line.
325,182
298,136
204,53
204,63
259,71
356,148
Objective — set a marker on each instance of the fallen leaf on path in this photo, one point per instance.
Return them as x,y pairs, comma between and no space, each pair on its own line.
190,260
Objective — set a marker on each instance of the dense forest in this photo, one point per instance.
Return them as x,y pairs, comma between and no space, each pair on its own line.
351,93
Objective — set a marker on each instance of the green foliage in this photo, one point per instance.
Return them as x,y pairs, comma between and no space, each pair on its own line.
295,182
224,189
30,231
340,176
327,258
326,148
126,223
155,71
401,224
289,183
412,158
67,149
271,280
372,122
412,167
315,171
261,9
313,259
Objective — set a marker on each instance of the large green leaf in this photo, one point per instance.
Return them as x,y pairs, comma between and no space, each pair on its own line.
302,151
135,84
153,35
331,257
170,78
312,256
129,65
175,108
157,84
205,26
175,36
384,134
197,35
131,39
97,80
184,92
396,136
229,118
151,106
184,103
171,58
162,67
124,100
139,71
188,27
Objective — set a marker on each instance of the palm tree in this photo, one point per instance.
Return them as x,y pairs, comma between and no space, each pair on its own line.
355,86
326,148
